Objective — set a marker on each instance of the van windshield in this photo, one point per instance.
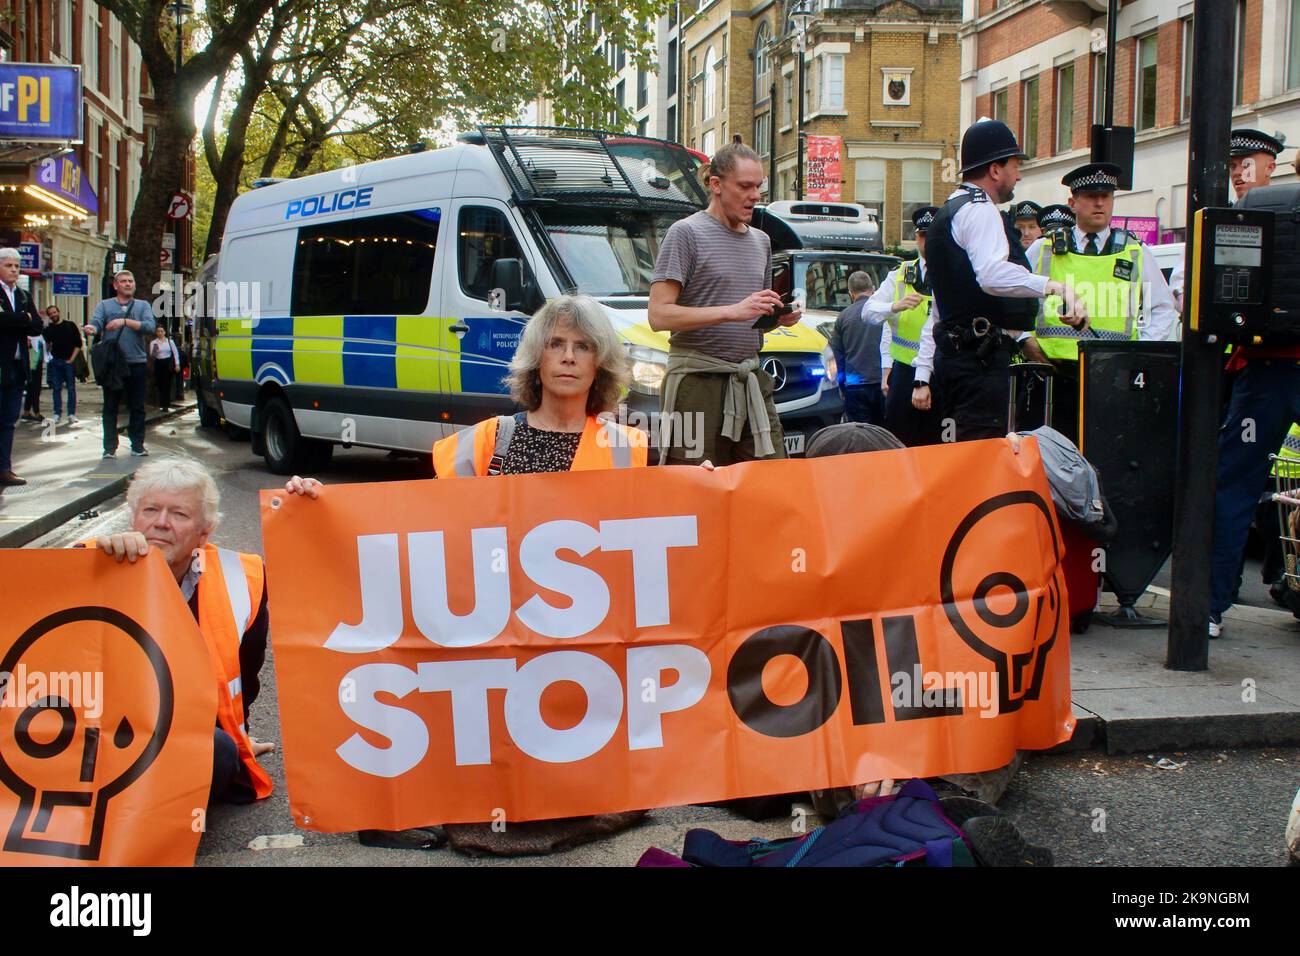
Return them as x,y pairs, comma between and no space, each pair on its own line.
825,281
608,251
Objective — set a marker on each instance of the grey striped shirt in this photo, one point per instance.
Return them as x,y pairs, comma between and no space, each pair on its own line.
716,266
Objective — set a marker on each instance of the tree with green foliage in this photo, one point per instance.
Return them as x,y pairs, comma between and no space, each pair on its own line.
327,83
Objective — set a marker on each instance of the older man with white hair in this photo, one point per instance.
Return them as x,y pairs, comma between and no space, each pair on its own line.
18,320
174,507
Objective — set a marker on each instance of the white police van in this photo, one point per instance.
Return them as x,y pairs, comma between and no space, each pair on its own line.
390,296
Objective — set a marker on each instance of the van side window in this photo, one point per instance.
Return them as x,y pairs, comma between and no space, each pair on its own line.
379,265
484,237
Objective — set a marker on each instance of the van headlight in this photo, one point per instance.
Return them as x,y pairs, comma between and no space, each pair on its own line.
832,370
649,366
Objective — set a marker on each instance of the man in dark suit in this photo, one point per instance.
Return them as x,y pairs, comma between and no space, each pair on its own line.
18,319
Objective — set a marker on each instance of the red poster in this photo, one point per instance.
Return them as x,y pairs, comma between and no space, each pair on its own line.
823,174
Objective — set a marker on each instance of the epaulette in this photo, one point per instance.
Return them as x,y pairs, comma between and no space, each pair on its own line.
976,193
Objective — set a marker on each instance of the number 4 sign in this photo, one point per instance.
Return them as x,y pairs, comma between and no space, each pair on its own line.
180,206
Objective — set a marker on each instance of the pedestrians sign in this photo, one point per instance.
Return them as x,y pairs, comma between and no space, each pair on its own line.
72,283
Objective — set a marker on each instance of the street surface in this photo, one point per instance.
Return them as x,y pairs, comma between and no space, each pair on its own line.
1215,808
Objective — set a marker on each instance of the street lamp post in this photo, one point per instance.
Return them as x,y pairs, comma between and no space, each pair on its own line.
801,16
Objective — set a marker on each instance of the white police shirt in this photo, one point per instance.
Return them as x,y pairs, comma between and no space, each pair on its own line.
879,309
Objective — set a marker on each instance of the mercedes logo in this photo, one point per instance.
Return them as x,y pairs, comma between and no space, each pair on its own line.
776,369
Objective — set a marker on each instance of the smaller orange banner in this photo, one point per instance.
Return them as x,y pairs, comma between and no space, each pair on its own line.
107,710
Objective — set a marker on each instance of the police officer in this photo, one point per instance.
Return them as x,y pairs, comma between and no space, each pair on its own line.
1252,160
1264,403
1025,213
902,303
982,284
1055,216
1115,273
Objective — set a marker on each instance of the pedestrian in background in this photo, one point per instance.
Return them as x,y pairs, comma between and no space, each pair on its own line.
855,343
18,320
65,346
35,372
129,323
166,362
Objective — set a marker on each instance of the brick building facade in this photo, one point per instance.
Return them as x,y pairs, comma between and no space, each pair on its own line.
116,129
1037,64
740,59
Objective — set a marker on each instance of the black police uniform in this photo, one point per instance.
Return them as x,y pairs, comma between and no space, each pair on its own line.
972,355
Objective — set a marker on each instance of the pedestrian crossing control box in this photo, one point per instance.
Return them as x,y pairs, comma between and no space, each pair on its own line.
1231,274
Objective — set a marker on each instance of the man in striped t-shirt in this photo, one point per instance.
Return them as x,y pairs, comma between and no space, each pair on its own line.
712,281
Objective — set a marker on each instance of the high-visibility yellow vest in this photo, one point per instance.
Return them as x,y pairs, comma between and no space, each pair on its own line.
906,334
1288,465
1110,286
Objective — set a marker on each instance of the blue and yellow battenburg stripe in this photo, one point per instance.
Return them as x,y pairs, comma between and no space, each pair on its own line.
402,352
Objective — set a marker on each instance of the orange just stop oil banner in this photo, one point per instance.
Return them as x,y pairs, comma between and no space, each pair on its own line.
106,715
540,646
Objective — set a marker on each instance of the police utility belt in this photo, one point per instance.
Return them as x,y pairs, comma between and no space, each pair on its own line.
980,336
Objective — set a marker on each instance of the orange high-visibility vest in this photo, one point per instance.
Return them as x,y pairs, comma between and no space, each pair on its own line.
604,444
230,590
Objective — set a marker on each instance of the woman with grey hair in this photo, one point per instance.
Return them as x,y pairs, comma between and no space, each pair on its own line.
569,368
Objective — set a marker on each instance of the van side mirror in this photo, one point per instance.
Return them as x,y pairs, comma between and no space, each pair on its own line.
508,276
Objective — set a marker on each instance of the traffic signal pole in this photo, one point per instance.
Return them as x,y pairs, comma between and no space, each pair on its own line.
1202,363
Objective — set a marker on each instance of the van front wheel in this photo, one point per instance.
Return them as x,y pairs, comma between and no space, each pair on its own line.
285,450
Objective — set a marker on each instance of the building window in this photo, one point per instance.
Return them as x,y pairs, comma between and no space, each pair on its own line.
620,57
92,167
1000,105
1099,88
707,143
90,39
763,133
642,126
918,190
787,99
1292,46
642,88
618,105
832,82
62,25
1185,87
1029,118
710,85
115,62
671,132
762,65
110,187
1144,107
1064,108
1239,69
672,66
869,184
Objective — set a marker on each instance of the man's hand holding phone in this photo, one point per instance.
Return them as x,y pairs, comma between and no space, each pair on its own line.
757,306
787,312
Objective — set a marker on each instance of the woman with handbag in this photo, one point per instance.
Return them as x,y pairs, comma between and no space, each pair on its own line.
162,352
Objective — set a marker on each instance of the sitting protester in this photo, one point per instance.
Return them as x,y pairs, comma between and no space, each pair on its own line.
174,507
569,367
